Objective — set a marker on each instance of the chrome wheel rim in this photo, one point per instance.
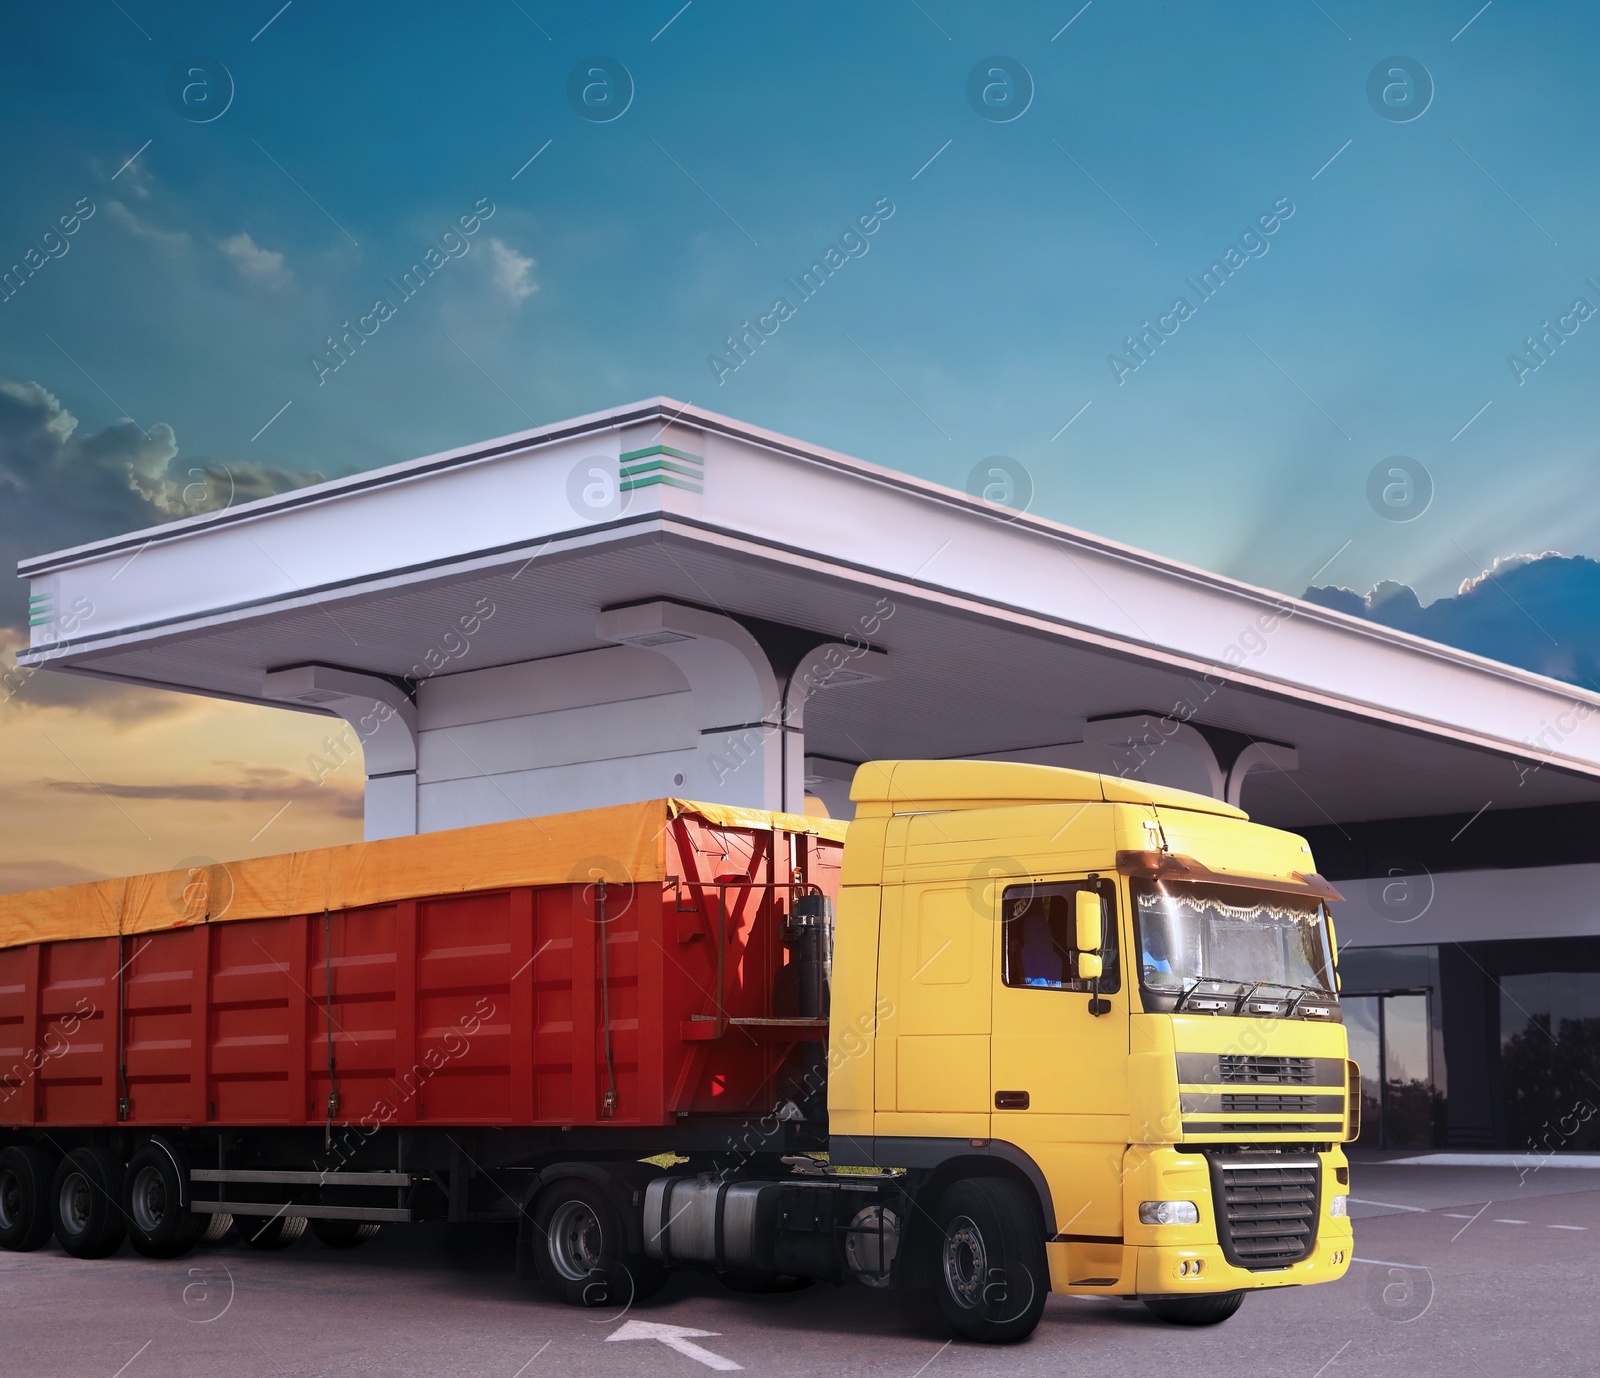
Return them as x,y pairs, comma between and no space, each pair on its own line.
576,1240
966,1262
148,1200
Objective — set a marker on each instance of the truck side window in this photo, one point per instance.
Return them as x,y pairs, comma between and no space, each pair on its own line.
1039,926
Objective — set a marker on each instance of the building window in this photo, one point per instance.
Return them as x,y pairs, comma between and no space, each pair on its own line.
1550,1060
1040,928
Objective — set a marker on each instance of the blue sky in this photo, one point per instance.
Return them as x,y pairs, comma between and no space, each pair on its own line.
1377,323
162,355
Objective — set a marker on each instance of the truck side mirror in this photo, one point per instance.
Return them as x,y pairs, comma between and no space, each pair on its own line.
1089,913
1090,916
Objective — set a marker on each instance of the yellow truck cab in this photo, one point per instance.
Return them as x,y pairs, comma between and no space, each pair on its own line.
1099,1020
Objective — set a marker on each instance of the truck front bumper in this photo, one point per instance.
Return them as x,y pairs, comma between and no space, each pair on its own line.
1179,1270
1175,1270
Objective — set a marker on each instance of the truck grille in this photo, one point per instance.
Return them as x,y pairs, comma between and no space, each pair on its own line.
1242,1069
1234,1103
1267,1207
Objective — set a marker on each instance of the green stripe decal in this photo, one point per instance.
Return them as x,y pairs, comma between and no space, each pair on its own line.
660,450
662,466
40,621
667,480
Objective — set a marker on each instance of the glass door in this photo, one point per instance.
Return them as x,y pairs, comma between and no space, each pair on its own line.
1391,1040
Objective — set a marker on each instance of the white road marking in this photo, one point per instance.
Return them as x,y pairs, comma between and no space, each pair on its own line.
1508,1222
1389,1205
1568,1227
676,1337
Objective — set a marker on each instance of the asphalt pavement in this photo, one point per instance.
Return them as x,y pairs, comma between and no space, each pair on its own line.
1460,1271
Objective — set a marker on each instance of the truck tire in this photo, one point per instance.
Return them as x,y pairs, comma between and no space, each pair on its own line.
86,1203
344,1234
991,1277
25,1176
270,1231
155,1191
219,1223
1210,1310
580,1248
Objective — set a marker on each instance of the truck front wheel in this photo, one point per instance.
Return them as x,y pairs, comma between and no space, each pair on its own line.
1211,1310
990,1276
580,1249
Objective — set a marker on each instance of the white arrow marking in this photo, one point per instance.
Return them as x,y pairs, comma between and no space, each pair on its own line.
675,1337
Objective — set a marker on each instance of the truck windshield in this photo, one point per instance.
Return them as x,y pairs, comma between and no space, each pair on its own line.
1229,935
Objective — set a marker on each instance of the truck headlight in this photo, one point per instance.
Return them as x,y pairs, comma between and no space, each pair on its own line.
1169,1213
1339,1206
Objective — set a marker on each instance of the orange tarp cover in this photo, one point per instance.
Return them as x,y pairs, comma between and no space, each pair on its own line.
622,843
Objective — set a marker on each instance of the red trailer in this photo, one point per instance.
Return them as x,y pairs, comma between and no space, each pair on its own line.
420,1028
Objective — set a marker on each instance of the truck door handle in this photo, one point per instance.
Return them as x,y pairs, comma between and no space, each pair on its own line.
1010,1100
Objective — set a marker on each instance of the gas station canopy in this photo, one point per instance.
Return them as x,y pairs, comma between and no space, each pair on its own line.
657,600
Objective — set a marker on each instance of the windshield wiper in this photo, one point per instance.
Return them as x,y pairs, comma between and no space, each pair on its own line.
1248,989
1304,991
1213,980
1284,985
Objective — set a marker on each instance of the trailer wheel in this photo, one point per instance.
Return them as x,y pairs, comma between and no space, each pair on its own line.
160,1223
344,1234
580,1249
219,1224
25,1176
991,1275
1211,1310
270,1231
86,1203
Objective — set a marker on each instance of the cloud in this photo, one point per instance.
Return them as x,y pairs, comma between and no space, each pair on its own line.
137,179
120,705
1540,612
251,784
1502,564
511,272
143,229
62,488
42,875
255,263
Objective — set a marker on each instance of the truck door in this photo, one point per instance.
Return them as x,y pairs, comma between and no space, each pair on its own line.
1059,1061
936,951
942,1011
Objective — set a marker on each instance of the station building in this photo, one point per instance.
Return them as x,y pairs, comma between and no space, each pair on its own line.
657,600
